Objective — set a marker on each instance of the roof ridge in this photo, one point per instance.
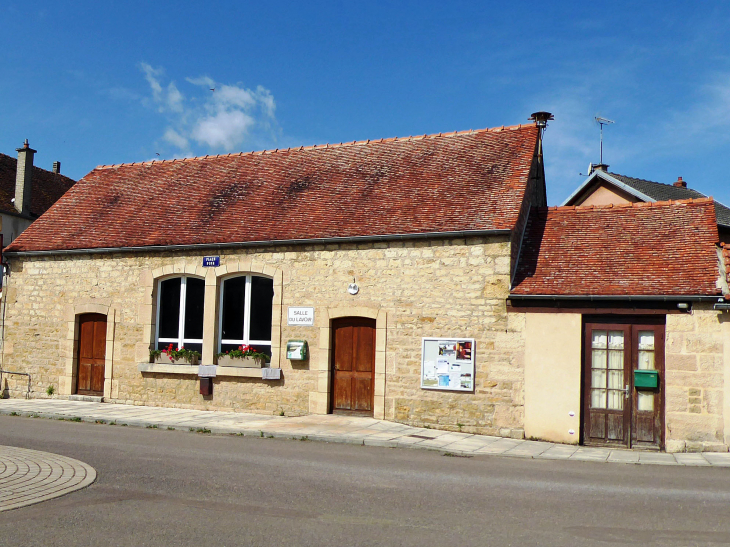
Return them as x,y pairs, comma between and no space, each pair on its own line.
328,146
668,184
637,205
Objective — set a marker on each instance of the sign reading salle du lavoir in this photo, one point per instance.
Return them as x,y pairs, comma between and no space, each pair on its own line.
300,316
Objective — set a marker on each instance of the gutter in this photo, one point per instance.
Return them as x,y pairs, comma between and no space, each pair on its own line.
614,298
267,243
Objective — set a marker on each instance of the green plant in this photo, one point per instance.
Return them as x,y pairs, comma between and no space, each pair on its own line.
15,413
152,426
243,352
50,390
154,354
281,412
100,421
202,430
179,354
459,426
262,434
305,438
113,423
170,428
74,419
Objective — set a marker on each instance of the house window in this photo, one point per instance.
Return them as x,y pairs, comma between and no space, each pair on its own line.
180,302
245,313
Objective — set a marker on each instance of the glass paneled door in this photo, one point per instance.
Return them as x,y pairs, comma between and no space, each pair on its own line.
615,410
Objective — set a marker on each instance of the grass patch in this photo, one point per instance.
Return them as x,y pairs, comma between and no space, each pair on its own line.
75,419
15,413
152,426
200,430
305,438
170,428
100,421
453,455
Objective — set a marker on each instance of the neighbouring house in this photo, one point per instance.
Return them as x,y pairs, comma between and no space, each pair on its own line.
603,188
626,343
27,191
374,253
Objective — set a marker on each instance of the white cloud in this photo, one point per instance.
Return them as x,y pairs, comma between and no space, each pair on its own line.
216,116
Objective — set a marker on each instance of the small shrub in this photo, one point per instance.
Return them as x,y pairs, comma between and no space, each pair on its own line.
50,390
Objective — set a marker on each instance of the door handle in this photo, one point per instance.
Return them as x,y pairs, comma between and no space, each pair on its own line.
626,391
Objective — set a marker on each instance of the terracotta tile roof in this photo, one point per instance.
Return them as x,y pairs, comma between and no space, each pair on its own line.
656,248
47,187
471,180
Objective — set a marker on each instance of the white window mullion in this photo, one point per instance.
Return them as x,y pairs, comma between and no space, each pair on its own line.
220,316
247,310
181,325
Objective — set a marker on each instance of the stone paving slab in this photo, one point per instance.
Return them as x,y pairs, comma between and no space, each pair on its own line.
29,476
342,429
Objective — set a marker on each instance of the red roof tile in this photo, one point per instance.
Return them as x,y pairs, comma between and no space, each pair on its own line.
473,180
47,187
660,248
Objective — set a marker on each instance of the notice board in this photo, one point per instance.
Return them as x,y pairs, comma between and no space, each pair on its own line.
447,363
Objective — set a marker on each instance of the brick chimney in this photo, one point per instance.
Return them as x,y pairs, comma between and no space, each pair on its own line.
57,167
23,176
680,183
597,167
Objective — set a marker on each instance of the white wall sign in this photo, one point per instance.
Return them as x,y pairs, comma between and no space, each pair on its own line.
271,373
299,316
447,363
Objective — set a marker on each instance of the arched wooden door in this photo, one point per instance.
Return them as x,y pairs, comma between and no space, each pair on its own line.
91,354
353,365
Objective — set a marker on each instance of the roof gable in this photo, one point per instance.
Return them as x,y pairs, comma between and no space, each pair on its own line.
648,191
473,180
640,249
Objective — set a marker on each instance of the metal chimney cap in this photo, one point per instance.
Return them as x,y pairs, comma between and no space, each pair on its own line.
541,118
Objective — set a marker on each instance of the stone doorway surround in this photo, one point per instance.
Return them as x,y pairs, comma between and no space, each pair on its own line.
319,400
70,346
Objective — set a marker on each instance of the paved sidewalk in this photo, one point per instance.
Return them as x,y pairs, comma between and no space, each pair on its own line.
30,476
341,429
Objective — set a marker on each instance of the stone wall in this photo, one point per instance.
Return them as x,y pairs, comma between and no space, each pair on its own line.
449,288
695,382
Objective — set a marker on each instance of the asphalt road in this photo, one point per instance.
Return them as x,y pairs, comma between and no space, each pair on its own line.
158,487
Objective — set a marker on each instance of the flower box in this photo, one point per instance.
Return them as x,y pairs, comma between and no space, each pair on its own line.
242,362
162,358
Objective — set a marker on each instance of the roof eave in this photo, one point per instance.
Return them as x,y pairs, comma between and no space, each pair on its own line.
617,297
268,243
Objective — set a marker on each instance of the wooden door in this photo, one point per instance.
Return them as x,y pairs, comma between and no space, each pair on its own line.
353,365
91,355
615,412
647,422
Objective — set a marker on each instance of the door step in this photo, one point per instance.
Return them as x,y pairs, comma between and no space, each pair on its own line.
86,398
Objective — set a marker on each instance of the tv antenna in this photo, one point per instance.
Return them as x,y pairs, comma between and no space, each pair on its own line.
602,122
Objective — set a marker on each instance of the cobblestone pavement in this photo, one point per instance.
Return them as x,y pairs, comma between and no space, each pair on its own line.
30,476
342,429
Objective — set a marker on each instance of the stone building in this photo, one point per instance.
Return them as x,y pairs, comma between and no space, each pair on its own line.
27,191
379,243
427,278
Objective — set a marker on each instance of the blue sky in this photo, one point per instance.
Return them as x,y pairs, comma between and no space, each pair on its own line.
91,83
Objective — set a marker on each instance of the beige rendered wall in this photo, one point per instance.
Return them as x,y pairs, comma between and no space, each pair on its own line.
552,376
440,288
606,195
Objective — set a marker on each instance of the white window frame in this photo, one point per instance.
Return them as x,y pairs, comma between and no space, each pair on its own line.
246,314
181,340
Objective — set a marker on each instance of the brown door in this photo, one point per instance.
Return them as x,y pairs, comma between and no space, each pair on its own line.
92,351
615,411
353,365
